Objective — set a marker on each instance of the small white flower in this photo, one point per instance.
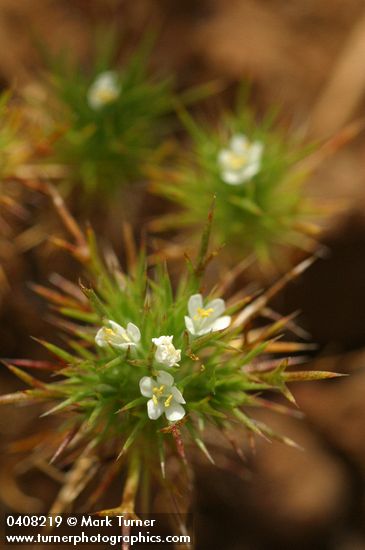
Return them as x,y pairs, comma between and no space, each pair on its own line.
241,161
165,397
202,320
104,90
118,337
166,353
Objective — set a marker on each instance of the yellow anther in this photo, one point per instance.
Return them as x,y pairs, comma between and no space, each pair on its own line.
168,400
109,334
202,313
154,399
158,391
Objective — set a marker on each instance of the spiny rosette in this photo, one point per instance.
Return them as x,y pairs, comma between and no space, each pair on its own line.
256,174
147,360
106,123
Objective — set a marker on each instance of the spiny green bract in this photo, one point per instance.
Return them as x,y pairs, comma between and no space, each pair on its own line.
107,145
256,215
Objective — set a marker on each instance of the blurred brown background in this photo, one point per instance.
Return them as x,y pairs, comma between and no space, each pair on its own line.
308,58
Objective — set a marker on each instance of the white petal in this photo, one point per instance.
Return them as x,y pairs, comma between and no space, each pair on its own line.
218,305
256,151
93,100
165,378
107,79
190,327
204,329
232,177
224,157
195,302
133,332
146,385
124,345
162,340
118,329
154,411
178,396
239,144
100,338
250,171
221,323
174,412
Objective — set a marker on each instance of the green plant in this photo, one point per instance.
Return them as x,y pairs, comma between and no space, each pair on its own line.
253,172
148,368
108,119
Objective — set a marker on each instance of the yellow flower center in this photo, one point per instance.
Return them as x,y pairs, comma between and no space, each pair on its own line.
237,161
168,400
111,333
105,95
203,313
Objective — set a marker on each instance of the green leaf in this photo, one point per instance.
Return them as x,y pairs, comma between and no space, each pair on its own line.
59,352
200,443
248,422
132,436
246,204
133,404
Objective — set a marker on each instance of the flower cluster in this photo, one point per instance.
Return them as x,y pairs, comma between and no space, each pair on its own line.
165,396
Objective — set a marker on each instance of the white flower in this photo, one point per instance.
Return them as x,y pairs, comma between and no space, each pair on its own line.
104,90
241,161
202,320
165,397
118,337
166,353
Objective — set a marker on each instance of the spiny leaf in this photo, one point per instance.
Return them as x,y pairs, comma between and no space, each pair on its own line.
132,436
97,304
301,376
79,315
17,397
132,404
25,377
64,443
204,244
250,424
161,454
34,364
64,404
200,443
278,437
61,353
